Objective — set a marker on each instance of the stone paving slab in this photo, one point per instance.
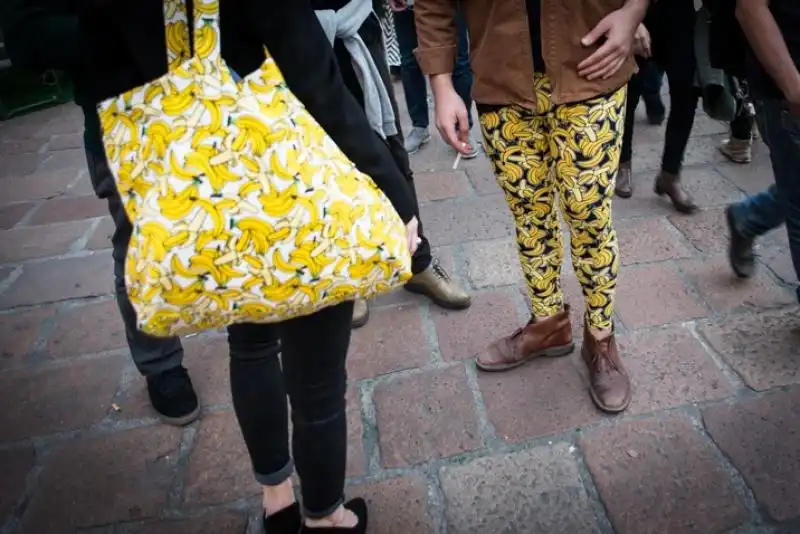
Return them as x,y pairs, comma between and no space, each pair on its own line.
710,443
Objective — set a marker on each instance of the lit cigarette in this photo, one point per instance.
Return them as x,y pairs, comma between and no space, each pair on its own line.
457,161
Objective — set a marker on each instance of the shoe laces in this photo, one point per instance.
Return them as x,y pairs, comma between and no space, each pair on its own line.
601,356
439,271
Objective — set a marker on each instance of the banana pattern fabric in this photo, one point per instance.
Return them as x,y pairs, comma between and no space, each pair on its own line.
570,151
243,209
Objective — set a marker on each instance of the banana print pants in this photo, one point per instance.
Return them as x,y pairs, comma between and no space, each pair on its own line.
569,151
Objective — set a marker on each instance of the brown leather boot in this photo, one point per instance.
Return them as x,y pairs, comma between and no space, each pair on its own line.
360,313
609,384
669,184
624,188
540,337
737,150
436,284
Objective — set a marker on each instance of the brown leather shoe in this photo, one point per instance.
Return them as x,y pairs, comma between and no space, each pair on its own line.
436,284
609,384
540,337
360,313
669,184
624,188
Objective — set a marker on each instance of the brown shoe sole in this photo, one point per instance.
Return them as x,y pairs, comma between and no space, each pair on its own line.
623,193
609,409
730,156
446,304
552,352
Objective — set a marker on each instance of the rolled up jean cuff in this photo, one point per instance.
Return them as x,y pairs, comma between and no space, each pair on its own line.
324,513
278,477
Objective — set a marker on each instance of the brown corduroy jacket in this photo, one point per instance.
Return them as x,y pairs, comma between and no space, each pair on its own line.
500,47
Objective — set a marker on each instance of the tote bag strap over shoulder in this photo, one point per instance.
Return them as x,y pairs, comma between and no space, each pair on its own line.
207,45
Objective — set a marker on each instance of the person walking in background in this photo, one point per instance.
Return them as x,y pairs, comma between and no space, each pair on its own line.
772,28
552,119
414,84
370,87
651,76
669,29
386,16
738,148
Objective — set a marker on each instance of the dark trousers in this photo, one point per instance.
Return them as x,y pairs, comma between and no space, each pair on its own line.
672,32
780,203
742,126
152,355
372,36
313,376
652,77
311,371
414,86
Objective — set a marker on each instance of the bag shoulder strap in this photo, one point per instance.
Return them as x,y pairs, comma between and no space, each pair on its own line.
205,23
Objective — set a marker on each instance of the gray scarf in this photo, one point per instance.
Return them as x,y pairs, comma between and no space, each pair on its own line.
344,24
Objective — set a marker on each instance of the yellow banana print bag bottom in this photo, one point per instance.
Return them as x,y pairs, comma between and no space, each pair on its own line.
243,209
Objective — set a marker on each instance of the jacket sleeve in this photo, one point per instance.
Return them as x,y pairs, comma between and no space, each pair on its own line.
290,31
437,34
38,38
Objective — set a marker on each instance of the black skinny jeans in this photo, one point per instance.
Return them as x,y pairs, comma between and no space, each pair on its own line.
313,352
672,32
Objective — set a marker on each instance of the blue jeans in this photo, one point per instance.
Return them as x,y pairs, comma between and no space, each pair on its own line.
414,80
780,203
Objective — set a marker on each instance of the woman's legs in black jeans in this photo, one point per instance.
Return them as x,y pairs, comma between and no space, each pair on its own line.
671,26
672,30
680,69
634,94
314,350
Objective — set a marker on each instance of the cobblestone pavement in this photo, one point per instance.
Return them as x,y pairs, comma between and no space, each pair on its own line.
711,443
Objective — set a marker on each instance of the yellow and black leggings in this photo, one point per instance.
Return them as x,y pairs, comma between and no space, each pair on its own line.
571,150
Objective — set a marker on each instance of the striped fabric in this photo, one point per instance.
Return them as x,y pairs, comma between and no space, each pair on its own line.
389,37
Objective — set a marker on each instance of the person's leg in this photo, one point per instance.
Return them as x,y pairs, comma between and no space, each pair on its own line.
314,350
585,184
739,147
751,218
259,400
527,183
675,50
624,181
652,78
159,360
429,278
414,85
781,132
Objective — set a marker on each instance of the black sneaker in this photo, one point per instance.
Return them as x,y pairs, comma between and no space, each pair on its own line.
173,397
740,249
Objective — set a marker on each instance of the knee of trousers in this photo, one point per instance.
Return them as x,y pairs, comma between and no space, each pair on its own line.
317,404
253,342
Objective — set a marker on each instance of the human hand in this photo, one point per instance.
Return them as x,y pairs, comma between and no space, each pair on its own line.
412,235
642,44
452,119
618,28
398,5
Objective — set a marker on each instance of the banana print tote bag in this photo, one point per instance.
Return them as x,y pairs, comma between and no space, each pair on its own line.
243,209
